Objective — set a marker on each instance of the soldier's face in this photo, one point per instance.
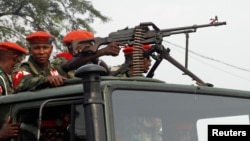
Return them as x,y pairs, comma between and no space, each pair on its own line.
53,134
41,52
13,59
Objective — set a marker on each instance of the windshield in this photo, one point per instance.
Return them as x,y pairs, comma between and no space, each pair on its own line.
168,116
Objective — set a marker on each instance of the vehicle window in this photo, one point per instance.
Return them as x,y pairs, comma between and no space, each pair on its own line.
28,120
167,116
80,129
71,121
52,116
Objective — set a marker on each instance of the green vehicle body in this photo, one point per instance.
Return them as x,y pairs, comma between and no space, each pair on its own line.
106,108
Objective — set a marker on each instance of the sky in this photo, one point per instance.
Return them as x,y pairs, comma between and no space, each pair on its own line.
217,55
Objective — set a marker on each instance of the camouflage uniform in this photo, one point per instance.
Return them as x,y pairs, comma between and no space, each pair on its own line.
58,61
28,76
124,70
118,71
5,84
121,71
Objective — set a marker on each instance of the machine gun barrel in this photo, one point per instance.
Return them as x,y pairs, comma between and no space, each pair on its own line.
193,27
152,36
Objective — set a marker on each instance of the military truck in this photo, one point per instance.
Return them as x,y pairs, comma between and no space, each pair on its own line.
107,108
120,109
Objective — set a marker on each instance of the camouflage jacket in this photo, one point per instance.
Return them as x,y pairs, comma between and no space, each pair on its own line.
120,71
5,84
58,61
28,76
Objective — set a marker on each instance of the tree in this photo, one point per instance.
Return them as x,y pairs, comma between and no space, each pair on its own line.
20,17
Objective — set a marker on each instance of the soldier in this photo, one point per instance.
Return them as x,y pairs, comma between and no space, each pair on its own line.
54,130
10,54
72,64
126,69
38,72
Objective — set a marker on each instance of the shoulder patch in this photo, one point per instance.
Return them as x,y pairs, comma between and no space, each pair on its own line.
17,77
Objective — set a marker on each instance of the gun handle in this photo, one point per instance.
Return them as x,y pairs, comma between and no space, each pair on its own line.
77,45
100,41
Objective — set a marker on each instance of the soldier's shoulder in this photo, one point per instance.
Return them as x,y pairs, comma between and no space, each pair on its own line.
58,60
114,68
21,66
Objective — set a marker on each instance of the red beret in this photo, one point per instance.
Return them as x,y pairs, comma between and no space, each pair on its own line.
52,123
77,35
128,49
40,37
12,46
65,55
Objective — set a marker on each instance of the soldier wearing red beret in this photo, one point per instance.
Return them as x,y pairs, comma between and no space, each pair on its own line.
38,72
126,69
83,35
54,130
10,54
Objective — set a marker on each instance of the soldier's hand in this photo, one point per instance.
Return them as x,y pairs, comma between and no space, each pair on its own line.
55,81
111,49
83,47
9,130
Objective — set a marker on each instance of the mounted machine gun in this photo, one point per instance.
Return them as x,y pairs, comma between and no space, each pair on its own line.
142,34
